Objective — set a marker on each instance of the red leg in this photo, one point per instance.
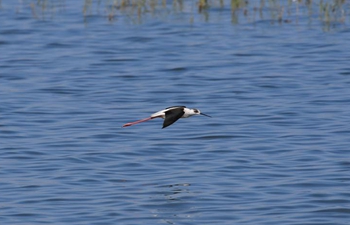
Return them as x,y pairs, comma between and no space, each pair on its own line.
136,122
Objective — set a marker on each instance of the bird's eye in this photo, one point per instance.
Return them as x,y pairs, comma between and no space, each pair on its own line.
195,110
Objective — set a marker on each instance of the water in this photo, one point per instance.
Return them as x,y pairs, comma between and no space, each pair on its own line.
276,150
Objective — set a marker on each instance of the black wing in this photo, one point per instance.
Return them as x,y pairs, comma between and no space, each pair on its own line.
176,107
172,116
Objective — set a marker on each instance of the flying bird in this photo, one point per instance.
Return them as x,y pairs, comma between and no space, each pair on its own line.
170,115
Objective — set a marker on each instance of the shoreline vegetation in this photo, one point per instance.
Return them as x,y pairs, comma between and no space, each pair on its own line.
328,12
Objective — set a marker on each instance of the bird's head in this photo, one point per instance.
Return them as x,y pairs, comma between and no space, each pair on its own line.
198,112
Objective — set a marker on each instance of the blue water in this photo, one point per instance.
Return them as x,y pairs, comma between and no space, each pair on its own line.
276,150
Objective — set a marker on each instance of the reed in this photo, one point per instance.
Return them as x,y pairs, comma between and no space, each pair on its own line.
275,11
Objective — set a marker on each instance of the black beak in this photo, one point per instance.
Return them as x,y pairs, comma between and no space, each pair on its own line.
204,114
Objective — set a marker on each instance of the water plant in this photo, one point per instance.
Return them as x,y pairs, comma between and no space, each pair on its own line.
250,11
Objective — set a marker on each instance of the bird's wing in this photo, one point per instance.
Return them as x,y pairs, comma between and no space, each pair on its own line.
176,107
172,116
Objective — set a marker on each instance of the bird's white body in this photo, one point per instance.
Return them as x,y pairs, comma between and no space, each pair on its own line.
170,115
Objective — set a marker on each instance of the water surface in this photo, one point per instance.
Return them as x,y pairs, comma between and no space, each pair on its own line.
276,150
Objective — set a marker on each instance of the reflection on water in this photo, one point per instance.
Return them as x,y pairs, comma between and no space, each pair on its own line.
177,205
176,190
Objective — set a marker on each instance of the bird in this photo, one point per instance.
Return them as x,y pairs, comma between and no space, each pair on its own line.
170,115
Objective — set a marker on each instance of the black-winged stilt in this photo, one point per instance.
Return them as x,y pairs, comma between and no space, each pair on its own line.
170,115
